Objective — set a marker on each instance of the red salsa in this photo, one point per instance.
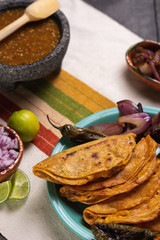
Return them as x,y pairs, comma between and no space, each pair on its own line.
30,43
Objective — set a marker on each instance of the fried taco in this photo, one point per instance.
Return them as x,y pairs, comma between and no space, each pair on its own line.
88,161
122,176
135,198
147,211
141,166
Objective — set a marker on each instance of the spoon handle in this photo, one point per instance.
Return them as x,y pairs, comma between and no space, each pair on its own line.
14,26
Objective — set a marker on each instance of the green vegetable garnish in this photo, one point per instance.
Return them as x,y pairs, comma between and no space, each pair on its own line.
121,232
78,134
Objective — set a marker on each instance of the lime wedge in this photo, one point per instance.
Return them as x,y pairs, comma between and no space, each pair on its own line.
20,185
5,189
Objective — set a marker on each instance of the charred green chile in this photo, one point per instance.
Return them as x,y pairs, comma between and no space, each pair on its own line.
121,232
80,135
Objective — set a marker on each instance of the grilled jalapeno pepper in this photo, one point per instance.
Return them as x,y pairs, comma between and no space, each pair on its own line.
78,134
121,232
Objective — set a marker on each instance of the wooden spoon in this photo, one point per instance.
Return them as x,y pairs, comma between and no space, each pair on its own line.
38,10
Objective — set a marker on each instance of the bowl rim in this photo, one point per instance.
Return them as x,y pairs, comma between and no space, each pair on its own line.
8,171
131,65
141,42
58,16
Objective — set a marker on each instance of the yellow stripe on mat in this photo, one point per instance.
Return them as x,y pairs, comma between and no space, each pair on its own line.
80,92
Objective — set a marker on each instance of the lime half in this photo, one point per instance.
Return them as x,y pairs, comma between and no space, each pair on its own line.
20,185
5,189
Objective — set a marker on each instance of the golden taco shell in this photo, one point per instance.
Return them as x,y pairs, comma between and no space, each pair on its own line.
146,161
139,153
147,211
138,196
89,161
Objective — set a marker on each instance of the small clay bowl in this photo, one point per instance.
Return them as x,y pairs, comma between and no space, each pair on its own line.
11,75
5,174
148,44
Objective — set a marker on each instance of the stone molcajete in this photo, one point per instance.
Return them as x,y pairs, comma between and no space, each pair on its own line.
11,75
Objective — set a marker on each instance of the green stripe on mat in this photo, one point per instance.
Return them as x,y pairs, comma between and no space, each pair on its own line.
58,100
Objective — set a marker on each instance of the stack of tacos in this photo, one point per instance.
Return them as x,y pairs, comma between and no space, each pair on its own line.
118,178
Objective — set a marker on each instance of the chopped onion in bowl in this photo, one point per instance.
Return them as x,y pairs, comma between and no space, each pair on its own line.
9,149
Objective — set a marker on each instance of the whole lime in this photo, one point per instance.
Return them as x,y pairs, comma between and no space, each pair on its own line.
25,123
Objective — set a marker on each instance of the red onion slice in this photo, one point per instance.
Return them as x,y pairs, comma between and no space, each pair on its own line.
154,70
147,62
109,129
127,107
140,121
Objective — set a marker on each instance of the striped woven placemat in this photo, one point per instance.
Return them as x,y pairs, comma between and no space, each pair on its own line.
63,97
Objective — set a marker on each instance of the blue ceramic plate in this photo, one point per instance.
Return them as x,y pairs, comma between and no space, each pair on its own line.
71,213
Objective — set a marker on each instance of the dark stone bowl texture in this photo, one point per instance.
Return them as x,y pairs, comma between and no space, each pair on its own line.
11,75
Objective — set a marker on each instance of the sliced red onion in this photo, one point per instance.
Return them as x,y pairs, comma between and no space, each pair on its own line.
140,121
147,62
141,56
127,107
147,53
109,129
154,70
8,149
